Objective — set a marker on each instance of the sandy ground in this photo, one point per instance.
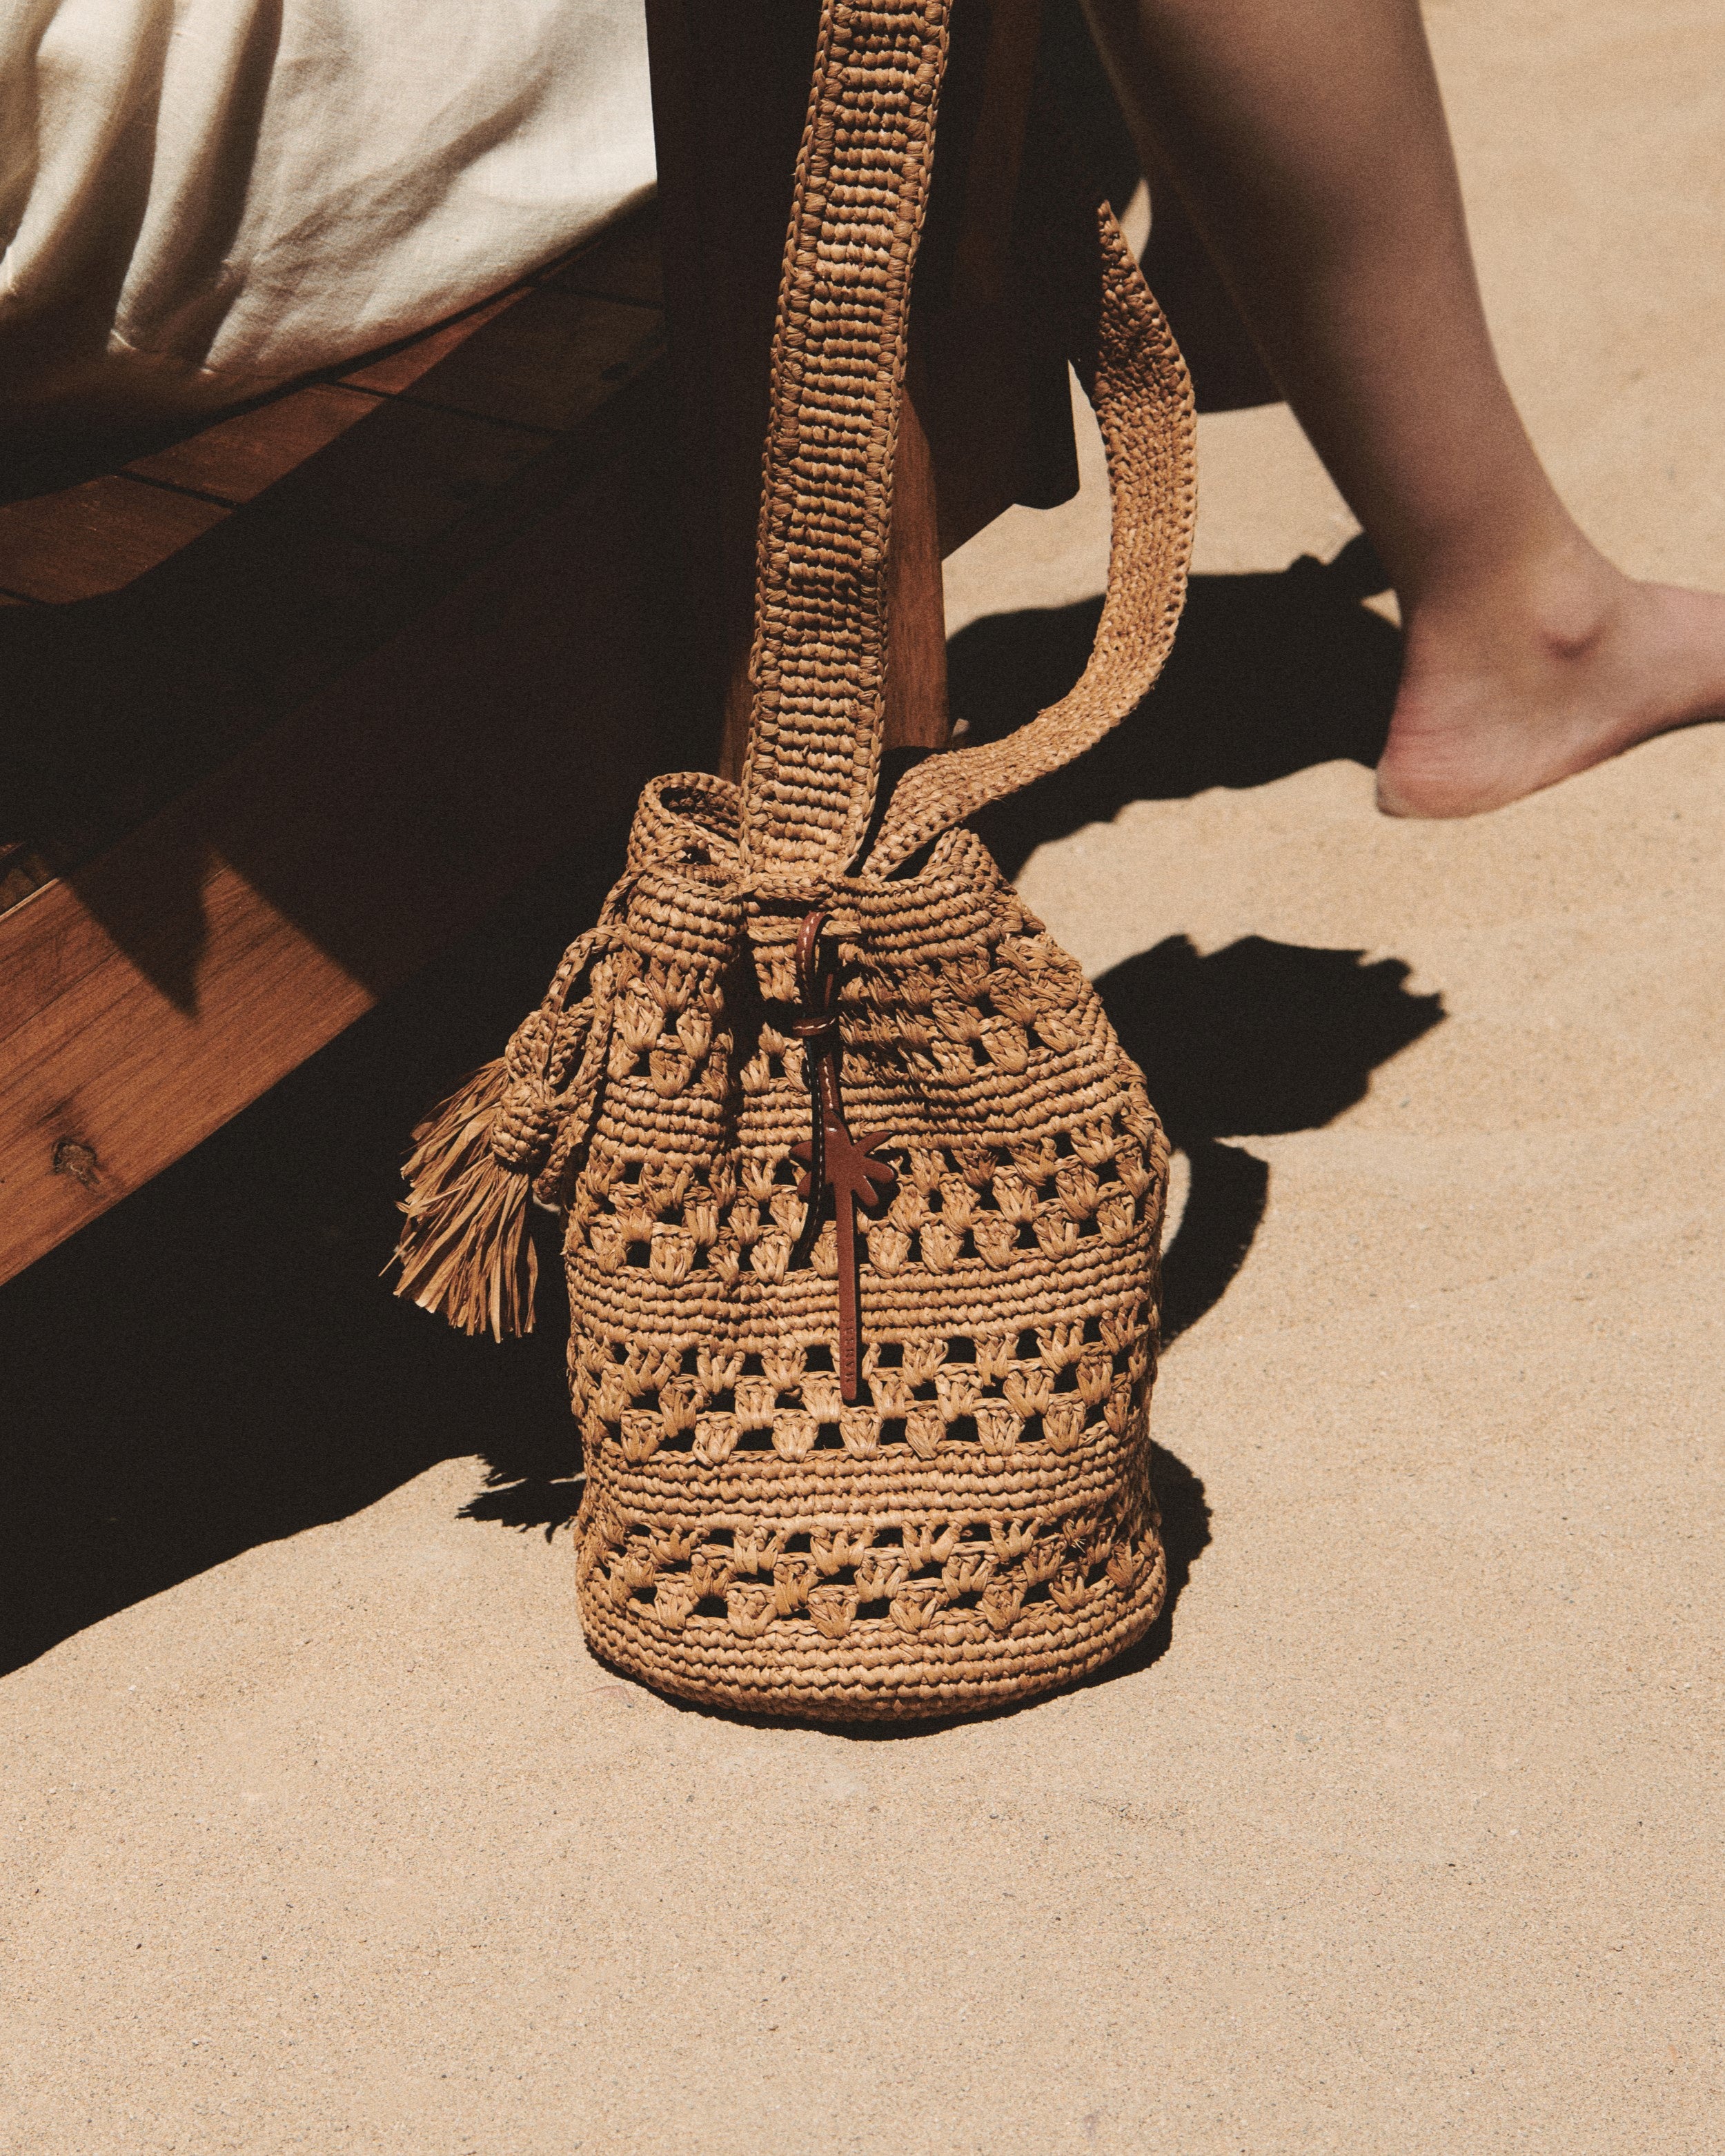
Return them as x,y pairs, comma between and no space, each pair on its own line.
1406,1836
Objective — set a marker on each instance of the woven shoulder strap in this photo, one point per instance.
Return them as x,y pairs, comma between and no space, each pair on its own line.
818,662
819,657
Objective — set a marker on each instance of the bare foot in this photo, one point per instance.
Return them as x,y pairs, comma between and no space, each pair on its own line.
1518,690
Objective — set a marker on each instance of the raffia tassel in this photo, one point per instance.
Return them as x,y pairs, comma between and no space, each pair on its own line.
466,1254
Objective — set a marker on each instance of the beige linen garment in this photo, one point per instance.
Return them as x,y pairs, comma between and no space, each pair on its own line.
202,198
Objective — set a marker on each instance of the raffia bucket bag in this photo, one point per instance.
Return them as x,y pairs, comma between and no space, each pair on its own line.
862,1198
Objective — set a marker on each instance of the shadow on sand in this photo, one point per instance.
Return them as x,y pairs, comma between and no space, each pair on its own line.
1269,675
216,1363
1257,1039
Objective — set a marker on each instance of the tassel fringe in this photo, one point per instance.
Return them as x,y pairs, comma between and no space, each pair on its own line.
466,1253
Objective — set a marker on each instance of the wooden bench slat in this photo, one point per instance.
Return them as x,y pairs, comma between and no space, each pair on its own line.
238,458
269,757
125,697
95,537
395,371
150,996
623,264
407,473
549,360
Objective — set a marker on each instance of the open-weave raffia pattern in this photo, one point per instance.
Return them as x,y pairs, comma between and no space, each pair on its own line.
978,1526
981,1524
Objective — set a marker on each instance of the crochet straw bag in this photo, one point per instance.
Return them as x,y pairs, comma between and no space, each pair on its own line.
880,1450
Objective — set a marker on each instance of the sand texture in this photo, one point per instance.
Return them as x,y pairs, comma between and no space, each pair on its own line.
324,1834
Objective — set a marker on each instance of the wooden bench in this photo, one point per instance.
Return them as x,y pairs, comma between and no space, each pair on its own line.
295,697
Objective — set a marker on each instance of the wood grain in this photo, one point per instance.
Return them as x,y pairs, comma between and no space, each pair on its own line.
301,696
152,995
237,458
95,537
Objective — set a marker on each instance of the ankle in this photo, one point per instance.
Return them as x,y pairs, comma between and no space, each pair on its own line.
1541,676
1550,605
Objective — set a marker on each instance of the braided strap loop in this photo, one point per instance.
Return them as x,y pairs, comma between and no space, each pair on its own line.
1137,383
819,653
817,662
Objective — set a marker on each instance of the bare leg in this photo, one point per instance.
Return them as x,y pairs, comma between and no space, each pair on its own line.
1309,142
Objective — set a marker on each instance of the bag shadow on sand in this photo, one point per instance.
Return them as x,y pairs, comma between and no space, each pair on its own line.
215,1364
1256,1039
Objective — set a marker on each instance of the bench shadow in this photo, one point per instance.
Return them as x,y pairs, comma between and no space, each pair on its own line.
215,1363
